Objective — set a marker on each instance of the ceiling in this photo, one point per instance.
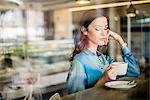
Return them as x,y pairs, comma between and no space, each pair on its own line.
59,4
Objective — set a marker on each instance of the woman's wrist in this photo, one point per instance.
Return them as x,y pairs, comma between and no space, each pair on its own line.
102,81
124,45
121,42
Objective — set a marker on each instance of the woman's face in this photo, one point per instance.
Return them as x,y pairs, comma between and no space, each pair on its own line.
98,31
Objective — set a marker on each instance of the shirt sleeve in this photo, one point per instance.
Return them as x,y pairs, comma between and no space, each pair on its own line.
76,78
109,59
133,69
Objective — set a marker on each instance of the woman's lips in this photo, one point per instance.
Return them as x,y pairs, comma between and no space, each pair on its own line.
102,38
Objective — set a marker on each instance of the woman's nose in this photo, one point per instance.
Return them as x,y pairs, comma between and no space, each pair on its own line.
104,33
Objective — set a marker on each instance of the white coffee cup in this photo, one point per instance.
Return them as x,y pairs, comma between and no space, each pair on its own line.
120,67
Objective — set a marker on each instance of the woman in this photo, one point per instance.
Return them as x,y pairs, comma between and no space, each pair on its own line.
90,67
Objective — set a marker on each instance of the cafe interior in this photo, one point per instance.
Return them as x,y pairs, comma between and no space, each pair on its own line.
37,39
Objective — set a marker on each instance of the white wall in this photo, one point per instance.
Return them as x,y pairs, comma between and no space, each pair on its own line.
63,24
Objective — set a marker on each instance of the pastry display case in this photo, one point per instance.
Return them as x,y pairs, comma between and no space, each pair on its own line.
48,61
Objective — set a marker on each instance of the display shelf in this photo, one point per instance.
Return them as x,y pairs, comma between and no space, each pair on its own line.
51,51
52,47
11,48
48,59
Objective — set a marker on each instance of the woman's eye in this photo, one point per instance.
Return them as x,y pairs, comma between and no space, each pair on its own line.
97,29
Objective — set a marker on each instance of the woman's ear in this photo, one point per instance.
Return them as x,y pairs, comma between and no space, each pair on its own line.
84,30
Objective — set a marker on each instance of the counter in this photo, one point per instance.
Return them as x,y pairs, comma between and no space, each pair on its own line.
140,92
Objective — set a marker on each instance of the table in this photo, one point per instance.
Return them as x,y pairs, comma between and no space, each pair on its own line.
140,92
46,84
9,93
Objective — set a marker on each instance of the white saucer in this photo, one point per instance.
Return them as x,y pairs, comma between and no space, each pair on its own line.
120,85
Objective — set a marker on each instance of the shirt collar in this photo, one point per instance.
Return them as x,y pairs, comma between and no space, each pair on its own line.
98,53
88,52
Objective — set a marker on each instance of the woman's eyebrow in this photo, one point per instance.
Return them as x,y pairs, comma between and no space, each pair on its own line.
101,26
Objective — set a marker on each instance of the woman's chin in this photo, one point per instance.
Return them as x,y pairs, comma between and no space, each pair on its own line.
102,44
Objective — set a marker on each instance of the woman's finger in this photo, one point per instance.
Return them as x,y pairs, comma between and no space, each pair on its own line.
112,74
108,68
107,38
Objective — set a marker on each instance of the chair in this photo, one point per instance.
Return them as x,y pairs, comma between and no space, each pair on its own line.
56,96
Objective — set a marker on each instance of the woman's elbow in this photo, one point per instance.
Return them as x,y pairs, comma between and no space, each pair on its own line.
138,72
134,73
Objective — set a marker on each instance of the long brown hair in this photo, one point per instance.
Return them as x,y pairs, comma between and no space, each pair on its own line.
81,40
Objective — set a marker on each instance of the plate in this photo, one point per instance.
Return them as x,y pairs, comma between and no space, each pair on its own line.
120,85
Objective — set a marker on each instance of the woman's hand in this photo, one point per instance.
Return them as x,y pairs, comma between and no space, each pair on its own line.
107,38
108,75
117,37
112,73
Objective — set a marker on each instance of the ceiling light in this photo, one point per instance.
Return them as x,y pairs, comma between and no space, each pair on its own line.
109,5
18,2
131,11
82,1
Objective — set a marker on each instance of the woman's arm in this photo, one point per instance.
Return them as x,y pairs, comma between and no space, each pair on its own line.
133,69
76,78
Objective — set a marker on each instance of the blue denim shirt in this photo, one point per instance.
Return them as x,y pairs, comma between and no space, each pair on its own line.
87,68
